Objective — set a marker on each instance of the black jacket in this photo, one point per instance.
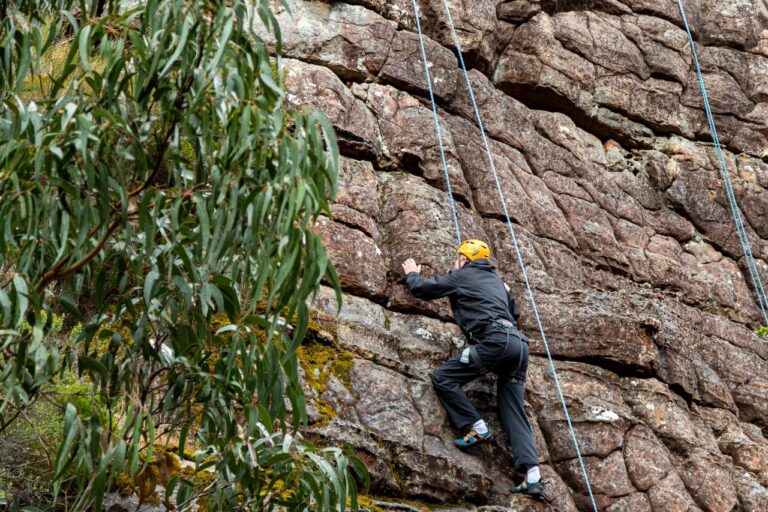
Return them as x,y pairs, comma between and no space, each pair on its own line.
476,292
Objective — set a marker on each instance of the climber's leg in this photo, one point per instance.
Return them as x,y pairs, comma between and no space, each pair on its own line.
511,391
447,381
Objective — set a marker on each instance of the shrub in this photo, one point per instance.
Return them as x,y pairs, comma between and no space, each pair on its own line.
156,173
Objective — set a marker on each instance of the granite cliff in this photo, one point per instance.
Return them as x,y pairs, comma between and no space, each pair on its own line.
599,135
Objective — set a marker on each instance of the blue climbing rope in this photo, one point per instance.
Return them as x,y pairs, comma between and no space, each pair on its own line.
492,165
738,219
438,131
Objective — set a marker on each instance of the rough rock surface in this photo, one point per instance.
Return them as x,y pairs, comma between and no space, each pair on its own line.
597,130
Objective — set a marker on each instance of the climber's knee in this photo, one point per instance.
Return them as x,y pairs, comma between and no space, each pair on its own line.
443,383
439,382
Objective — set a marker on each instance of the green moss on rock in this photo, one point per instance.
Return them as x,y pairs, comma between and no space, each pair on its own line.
320,357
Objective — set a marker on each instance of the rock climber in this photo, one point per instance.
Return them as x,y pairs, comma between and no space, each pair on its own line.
486,312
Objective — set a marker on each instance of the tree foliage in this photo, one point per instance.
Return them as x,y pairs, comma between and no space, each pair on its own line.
147,161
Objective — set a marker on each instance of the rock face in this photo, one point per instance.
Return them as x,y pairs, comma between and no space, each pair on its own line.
597,130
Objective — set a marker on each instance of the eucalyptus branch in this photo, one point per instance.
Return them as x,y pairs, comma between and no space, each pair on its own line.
56,274
148,383
177,111
8,278
156,280
10,422
65,259
211,488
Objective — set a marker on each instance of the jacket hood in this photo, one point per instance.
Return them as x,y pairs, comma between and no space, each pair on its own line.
481,264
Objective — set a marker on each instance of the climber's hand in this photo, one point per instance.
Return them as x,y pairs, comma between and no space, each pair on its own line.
410,266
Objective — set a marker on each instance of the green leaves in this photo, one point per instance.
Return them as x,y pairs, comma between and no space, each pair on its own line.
762,332
22,299
152,179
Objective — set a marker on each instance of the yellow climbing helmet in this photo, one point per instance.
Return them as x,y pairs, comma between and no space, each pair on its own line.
475,249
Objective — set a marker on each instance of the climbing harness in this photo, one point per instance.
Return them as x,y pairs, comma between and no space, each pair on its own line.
506,215
738,220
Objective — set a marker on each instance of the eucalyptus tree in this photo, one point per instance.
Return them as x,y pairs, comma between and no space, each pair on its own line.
154,187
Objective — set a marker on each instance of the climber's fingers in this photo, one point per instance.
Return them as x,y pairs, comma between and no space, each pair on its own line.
410,265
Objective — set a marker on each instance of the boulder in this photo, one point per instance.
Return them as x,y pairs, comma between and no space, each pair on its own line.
663,411
404,67
438,473
646,458
752,399
357,258
318,87
384,405
350,40
708,481
410,143
753,496
635,502
670,495
607,477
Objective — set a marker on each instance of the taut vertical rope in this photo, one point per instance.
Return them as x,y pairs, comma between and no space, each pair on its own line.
438,131
520,261
738,220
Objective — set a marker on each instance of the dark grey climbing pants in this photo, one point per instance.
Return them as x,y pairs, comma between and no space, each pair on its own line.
500,350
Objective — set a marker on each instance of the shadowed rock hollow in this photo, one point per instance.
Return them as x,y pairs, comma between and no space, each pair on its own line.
600,139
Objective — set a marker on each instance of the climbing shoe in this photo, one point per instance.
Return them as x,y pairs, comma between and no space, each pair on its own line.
530,489
472,439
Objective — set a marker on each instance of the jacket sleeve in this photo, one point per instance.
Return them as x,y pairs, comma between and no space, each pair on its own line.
513,309
432,288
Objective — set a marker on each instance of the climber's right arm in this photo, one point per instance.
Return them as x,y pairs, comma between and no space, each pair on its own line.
432,288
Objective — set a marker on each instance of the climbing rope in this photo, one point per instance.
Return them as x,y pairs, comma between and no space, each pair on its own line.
438,131
523,269
738,219
507,217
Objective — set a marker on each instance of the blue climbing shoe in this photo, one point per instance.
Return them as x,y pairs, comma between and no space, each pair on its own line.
471,439
530,489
